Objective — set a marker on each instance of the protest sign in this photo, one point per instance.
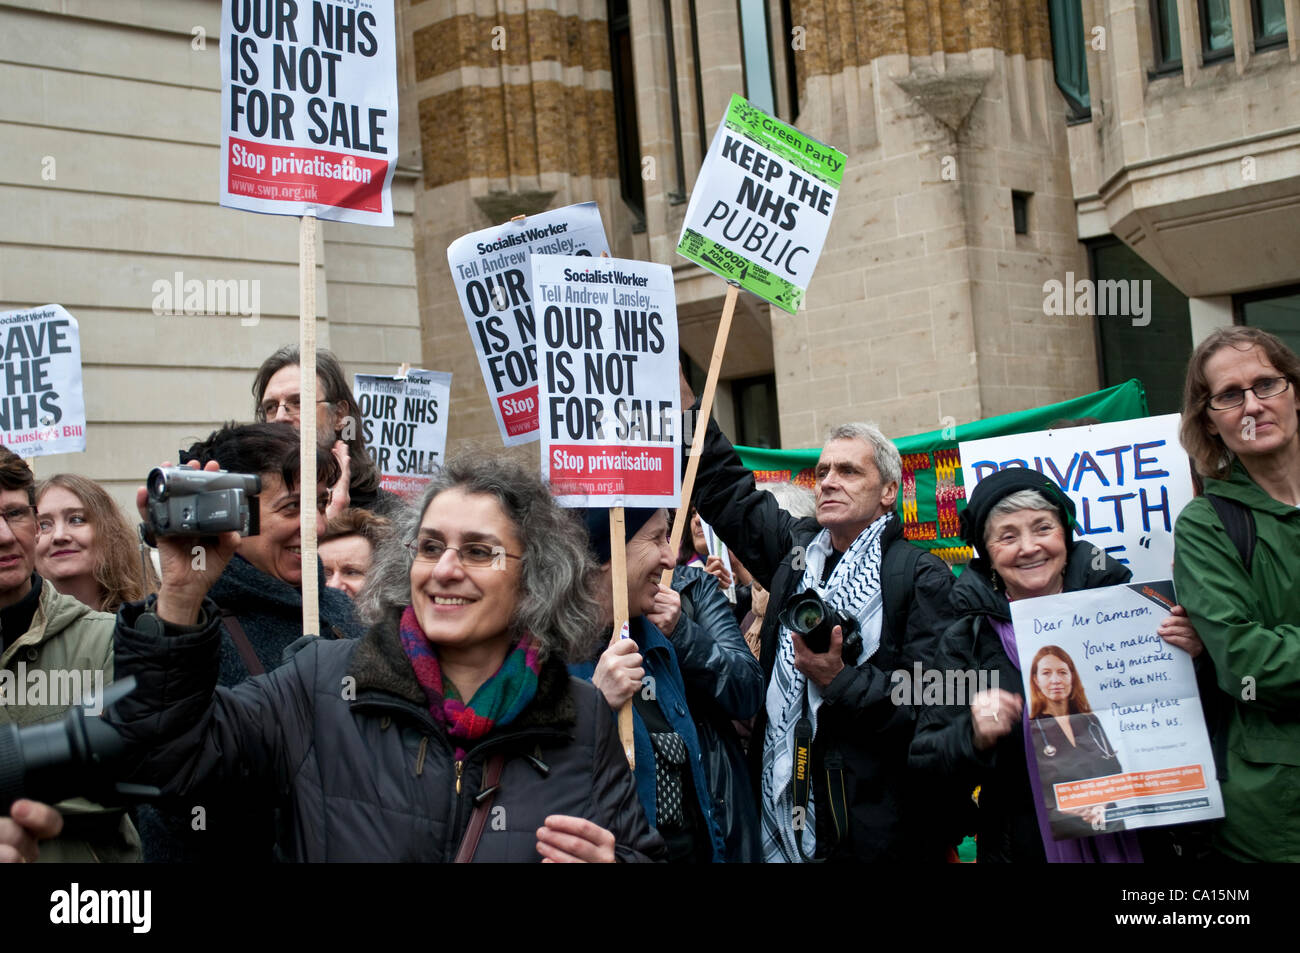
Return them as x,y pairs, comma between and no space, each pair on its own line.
43,410
309,108
1116,725
932,494
404,422
607,353
494,283
762,205
1128,481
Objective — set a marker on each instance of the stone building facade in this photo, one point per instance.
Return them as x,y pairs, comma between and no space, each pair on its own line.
993,147
109,144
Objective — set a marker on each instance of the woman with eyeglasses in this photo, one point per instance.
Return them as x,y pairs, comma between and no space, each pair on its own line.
85,545
451,732
1237,572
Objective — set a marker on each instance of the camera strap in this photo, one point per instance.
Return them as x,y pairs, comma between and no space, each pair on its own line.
242,644
836,795
801,778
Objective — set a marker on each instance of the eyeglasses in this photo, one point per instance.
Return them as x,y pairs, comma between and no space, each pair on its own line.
19,517
472,555
292,407
1264,388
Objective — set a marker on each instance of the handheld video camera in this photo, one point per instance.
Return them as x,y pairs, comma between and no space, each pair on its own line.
71,757
810,616
188,502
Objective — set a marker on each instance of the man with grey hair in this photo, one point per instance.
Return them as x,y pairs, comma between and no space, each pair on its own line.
832,765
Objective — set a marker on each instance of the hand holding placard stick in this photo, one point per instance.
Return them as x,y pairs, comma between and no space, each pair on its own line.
618,574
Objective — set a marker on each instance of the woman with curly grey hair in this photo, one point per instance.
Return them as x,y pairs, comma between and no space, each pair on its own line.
456,702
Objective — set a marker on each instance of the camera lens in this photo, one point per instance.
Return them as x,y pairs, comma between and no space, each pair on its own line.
157,483
806,616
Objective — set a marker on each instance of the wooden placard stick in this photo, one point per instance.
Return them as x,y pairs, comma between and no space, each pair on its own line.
618,580
307,487
702,423
618,574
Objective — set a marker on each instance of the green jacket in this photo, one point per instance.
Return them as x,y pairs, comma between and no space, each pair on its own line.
72,645
1250,624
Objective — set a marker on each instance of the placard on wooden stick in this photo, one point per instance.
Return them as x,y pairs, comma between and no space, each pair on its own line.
307,490
607,362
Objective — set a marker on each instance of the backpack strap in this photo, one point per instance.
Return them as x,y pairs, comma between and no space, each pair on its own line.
897,580
1239,523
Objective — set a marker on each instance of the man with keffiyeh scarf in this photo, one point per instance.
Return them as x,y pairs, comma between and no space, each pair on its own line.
861,803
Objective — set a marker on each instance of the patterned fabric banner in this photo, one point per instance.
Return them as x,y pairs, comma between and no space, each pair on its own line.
932,492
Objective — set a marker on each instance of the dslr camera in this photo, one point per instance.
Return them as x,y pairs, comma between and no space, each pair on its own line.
188,502
810,616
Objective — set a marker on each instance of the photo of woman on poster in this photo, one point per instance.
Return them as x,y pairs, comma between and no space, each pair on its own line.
1069,741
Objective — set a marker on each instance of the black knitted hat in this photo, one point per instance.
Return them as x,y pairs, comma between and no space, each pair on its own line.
597,523
998,486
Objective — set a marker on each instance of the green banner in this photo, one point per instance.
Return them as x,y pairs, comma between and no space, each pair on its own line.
933,492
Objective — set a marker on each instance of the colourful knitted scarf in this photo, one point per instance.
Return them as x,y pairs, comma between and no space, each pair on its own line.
498,701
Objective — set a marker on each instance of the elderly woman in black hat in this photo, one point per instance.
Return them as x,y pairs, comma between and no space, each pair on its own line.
1021,526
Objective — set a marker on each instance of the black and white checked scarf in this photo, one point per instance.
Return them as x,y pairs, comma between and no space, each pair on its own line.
853,588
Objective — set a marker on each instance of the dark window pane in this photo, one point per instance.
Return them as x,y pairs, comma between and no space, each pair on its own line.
758,60
625,117
1169,45
1270,19
1020,212
1155,354
1068,60
757,421
1280,316
1216,25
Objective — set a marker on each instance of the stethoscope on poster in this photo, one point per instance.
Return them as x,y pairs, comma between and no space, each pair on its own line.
1094,732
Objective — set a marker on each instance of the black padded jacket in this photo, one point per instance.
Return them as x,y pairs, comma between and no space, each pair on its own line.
339,739
860,727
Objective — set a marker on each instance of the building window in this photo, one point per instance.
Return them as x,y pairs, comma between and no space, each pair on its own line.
1068,58
1020,212
1216,30
791,72
678,195
625,117
758,57
1270,23
757,421
1156,352
1167,43
1276,311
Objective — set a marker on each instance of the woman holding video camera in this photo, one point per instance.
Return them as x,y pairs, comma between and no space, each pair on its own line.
1021,527
455,707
